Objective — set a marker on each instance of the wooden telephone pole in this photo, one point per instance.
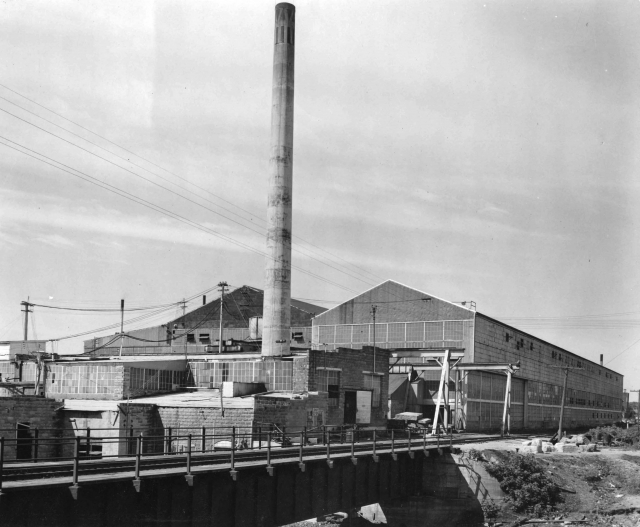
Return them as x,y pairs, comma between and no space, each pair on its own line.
638,409
564,391
26,312
222,286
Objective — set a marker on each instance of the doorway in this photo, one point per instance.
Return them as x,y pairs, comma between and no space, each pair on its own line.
23,441
350,408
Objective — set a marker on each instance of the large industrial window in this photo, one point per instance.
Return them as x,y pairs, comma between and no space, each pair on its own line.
373,382
329,381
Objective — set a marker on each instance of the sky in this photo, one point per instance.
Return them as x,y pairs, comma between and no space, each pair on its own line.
479,151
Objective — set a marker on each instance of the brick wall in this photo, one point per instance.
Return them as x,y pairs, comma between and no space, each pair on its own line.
211,418
309,410
37,412
352,363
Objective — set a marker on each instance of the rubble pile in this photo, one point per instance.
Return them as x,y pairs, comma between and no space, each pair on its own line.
571,444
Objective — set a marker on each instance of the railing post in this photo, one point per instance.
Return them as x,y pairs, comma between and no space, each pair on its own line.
269,467
189,455
167,441
76,460
439,449
189,477
451,438
136,480
259,438
204,439
424,444
1,460
233,471
375,457
353,447
35,445
393,446
284,435
409,444
88,455
329,462
300,462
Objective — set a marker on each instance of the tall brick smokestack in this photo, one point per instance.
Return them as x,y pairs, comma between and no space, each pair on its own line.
276,327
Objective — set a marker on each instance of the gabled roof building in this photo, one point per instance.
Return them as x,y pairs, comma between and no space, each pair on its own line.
413,324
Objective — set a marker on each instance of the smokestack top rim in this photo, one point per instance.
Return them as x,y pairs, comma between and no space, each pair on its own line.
285,5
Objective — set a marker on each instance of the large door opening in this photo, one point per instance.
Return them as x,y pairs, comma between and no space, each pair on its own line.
350,408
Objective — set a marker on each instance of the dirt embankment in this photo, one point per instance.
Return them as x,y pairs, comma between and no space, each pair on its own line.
601,488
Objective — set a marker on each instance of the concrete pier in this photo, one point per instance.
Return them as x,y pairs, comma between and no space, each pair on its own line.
276,332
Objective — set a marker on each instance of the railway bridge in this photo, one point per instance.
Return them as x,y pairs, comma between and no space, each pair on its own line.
255,487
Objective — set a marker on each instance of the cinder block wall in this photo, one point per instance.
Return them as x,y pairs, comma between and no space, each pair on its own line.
36,412
191,420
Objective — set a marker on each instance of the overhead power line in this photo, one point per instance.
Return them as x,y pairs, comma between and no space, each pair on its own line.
152,206
165,179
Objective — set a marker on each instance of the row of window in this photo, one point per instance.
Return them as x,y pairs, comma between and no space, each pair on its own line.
567,359
275,375
449,331
152,380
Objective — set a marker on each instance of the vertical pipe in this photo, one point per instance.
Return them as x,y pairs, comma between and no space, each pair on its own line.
328,447
88,442
409,440
259,438
374,443
277,291
393,442
204,439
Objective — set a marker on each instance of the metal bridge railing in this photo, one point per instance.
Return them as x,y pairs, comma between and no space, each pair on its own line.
148,451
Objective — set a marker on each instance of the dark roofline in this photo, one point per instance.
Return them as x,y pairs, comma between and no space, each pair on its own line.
546,342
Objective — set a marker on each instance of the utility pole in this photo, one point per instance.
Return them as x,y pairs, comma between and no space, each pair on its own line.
222,286
184,326
638,409
26,312
121,326
564,391
374,308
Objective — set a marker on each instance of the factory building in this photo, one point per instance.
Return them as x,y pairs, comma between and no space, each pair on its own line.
415,326
197,332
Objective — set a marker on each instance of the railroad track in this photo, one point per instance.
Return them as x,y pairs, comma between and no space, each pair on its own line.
155,462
